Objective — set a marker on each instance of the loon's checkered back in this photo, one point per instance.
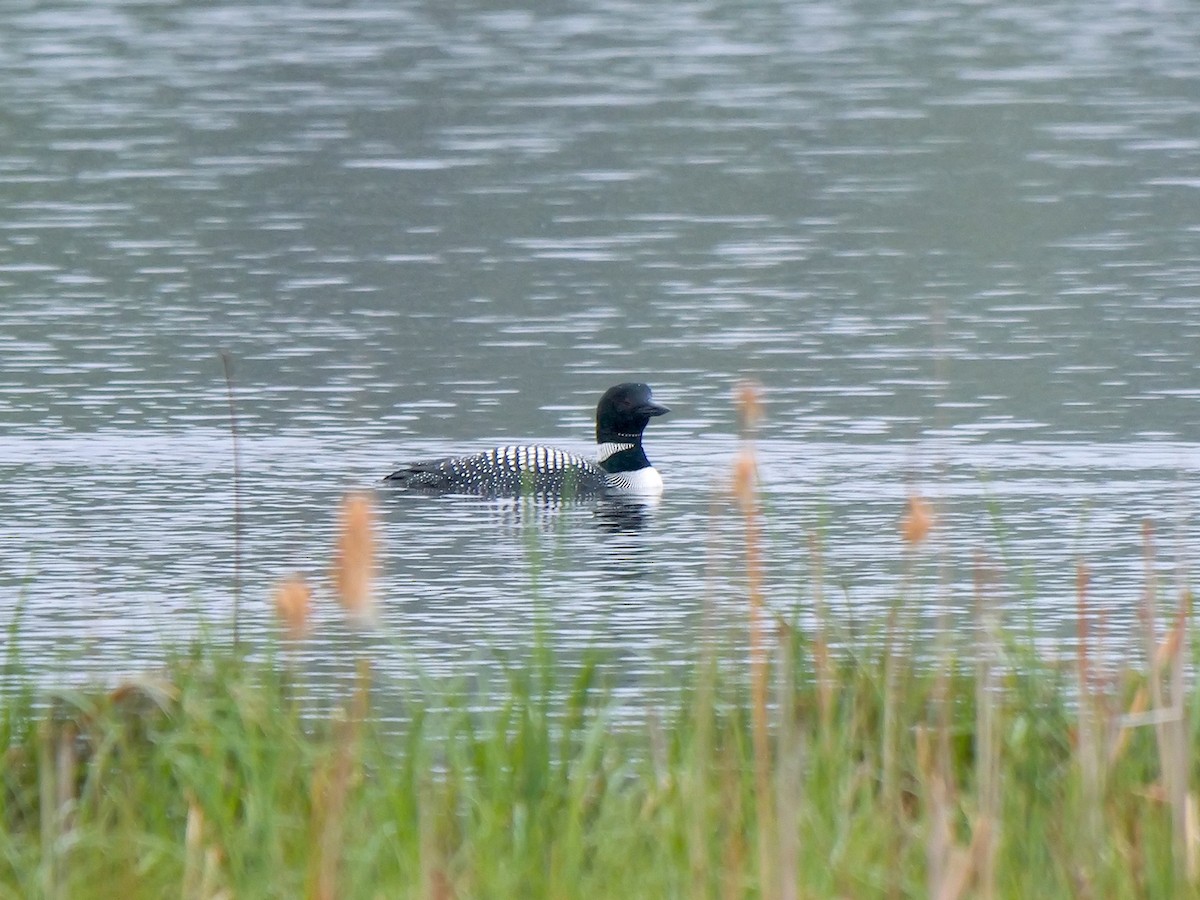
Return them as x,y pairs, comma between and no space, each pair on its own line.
506,471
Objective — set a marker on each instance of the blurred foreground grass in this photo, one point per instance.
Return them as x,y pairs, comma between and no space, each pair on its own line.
882,777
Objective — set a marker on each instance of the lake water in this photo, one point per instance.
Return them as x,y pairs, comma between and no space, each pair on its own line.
957,243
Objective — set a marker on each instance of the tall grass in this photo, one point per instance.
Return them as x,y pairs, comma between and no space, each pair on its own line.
811,768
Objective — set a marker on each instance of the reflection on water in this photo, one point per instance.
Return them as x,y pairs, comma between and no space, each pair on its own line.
625,515
956,245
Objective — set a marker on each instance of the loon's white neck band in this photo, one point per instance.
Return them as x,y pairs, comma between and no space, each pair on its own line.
604,451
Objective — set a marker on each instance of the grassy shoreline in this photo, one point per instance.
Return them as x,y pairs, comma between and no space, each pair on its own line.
879,776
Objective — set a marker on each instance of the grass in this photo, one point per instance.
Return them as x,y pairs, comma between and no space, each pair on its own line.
814,767
211,781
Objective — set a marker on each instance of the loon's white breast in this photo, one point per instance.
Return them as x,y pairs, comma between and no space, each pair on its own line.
644,482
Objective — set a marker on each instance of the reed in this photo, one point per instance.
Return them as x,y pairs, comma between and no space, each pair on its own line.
745,476
330,791
354,558
227,366
988,784
293,607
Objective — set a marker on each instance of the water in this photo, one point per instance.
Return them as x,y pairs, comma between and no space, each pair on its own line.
955,242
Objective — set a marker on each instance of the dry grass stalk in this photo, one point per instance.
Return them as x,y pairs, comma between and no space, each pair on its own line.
193,851
227,365
733,850
1176,777
987,756
293,602
212,872
789,766
915,524
1167,712
1158,656
1088,744
354,557
330,793
820,648
1192,835
889,753
1139,712
201,863
1148,617
700,856
744,487
1191,831
745,476
58,773
951,866
434,845
438,885
66,774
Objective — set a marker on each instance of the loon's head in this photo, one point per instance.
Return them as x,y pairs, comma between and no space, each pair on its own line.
624,412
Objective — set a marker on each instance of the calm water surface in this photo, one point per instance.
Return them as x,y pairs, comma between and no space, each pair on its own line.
957,243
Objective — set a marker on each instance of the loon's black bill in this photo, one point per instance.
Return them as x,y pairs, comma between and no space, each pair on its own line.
654,409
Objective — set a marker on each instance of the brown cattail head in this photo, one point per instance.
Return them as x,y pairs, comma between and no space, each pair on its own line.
354,556
745,477
917,521
293,599
748,397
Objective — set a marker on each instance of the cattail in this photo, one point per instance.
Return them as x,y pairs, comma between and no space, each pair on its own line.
354,556
917,521
293,599
748,396
745,474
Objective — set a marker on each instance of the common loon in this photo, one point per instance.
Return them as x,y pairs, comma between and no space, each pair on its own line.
620,468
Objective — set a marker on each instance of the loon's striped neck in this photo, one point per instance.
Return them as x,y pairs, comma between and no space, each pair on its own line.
621,457
607,449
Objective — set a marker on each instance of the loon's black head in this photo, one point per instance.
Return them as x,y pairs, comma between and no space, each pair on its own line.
624,412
